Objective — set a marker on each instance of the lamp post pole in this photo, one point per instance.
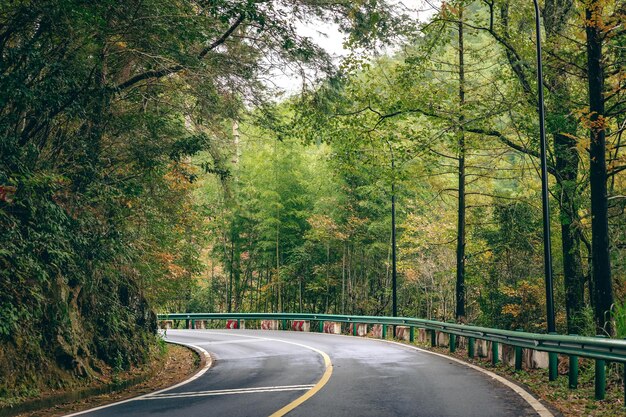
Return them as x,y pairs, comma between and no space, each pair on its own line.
547,252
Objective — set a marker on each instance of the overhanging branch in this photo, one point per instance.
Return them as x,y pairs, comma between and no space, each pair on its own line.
151,74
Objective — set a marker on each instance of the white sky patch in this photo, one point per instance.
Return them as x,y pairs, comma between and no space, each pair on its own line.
328,36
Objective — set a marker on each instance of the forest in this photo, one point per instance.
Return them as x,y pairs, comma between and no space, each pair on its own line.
149,164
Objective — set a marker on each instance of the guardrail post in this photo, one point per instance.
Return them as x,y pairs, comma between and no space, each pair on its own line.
518,358
285,324
238,323
411,334
354,330
470,347
321,327
433,338
193,324
494,353
518,355
384,331
553,363
451,340
573,371
600,378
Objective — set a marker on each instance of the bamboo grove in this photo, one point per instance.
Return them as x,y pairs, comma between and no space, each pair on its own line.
449,121
148,164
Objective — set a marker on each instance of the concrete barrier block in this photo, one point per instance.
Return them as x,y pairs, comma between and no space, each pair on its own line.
403,332
332,327
361,329
200,324
534,359
461,342
422,336
482,350
301,325
489,353
508,354
377,330
166,324
270,325
232,324
443,339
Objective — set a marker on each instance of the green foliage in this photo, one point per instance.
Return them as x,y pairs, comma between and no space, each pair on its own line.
144,167
102,105
407,105
619,315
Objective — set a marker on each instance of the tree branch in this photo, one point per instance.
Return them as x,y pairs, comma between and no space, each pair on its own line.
176,68
502,138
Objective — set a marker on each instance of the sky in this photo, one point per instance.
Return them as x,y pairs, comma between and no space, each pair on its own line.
327,35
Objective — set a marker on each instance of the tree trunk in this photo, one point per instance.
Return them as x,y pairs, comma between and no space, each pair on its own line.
327,277
343,282
600,259
560,124
230,279
556,13
566,158
460,246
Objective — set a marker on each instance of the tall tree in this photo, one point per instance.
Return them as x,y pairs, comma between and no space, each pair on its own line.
460,246
600,256
497,21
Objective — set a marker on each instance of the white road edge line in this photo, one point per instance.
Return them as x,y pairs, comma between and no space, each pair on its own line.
207,366
541,410
328,371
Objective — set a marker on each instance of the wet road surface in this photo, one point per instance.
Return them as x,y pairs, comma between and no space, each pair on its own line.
272,373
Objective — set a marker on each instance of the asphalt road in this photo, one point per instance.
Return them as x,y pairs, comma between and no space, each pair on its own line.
268,373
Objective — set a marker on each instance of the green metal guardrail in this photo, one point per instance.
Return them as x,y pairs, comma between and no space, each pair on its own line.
600,349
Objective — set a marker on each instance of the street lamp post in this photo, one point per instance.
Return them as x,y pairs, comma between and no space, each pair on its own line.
547,252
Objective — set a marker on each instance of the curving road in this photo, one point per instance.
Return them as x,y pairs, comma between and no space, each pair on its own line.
272,373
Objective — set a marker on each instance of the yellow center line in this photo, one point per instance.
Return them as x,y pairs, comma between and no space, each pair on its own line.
320,384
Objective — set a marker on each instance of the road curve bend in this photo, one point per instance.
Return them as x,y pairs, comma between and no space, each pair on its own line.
275,373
